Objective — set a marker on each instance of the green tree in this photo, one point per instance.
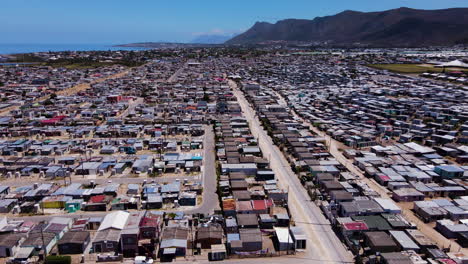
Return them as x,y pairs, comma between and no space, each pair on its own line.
48,102
58,260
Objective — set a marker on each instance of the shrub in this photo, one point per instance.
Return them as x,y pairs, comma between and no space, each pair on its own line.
58,260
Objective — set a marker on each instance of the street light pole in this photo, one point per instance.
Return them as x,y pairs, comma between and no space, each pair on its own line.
43,243
289,224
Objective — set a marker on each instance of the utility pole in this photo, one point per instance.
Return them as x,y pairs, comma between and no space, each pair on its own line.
82,165
191,237
289,225
43,243
287,245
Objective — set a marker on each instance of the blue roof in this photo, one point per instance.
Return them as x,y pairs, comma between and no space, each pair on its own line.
432,156
179,215
3,188
150,189
133,186
450,168
111,187
197,158
233,237
170,187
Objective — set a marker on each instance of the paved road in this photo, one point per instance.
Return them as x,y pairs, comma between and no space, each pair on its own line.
323,245
131,107
173,77
299,258
334,149
210,201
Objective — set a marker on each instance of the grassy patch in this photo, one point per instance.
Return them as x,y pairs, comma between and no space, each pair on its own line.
405,68
74,63
90,64
58,260
72,66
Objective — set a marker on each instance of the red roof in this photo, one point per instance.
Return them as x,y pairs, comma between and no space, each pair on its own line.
53,120
354,226
97,198
240,139
261,204
49,121
229,204
28,224
80,222
384,177
244,206
447,261
152,221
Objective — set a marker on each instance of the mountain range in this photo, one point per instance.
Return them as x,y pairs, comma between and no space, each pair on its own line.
402,27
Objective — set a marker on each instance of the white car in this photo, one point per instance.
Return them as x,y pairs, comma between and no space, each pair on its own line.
143,260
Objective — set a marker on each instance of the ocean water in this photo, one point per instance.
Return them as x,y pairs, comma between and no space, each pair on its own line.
28,48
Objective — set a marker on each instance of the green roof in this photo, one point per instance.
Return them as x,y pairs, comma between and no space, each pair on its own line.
394,220
374,222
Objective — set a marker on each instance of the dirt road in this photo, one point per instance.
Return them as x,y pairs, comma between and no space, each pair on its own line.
70,91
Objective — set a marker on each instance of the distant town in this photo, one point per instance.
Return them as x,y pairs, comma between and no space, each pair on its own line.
240,154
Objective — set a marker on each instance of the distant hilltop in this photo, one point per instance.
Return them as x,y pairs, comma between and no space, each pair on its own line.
149,45
402,27
160,45
212,38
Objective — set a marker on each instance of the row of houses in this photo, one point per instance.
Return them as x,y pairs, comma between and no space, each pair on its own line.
250,198
368,224
38,198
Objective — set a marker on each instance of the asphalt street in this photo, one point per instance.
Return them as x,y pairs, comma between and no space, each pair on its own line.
323,244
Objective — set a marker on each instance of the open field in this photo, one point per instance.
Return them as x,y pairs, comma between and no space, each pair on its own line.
412,68
78,65
73,63
89,64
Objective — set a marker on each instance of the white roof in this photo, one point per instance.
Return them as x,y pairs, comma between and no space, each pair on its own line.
298,233
24,252
455,63
388,205
463,148
239,166
404,240
419,148
283,235
115,220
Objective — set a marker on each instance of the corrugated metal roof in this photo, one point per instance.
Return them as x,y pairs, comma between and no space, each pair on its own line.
282,233
116,220
404,240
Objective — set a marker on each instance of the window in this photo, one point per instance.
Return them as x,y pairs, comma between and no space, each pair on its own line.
110,245
129,240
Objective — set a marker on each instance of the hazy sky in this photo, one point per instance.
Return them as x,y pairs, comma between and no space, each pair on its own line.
124,21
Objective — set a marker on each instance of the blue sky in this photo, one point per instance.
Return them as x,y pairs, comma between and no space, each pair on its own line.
125,21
